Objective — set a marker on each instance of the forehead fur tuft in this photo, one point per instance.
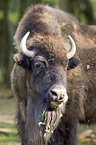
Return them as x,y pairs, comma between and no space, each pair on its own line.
52,44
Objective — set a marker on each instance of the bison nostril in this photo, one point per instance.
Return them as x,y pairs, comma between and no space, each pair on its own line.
56,95
53,93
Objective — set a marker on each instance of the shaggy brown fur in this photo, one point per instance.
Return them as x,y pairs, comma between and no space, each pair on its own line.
49,29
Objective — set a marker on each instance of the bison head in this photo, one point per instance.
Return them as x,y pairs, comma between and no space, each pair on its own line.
43,98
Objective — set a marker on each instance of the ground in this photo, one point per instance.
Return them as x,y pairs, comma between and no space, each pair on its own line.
8,131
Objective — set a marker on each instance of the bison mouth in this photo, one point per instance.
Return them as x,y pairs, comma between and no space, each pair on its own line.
55,104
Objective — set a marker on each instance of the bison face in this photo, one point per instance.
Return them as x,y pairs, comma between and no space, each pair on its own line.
45,89
48,80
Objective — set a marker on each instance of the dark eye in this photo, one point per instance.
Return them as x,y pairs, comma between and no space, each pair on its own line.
39,66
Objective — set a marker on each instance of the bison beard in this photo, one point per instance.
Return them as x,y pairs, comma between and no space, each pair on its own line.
40,123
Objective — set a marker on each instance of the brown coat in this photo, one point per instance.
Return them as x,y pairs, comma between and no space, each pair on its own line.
49,29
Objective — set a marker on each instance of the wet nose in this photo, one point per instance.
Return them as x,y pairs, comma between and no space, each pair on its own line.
57,93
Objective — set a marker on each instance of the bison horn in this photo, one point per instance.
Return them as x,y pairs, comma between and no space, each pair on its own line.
72,51
23,47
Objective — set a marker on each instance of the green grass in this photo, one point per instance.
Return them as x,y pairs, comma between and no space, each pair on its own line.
83,143
87,135
8,134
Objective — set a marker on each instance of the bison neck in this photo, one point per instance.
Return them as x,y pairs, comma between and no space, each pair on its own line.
85,37
40,123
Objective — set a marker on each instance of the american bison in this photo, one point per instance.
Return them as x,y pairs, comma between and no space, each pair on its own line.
54,77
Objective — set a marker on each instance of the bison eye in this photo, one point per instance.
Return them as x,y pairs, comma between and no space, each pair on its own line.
39,66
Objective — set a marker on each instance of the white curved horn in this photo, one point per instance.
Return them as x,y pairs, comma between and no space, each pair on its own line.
23,47
72,52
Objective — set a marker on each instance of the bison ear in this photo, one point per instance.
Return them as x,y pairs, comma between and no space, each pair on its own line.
73,62
22,61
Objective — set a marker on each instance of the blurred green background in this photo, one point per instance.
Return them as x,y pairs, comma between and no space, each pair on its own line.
11,11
